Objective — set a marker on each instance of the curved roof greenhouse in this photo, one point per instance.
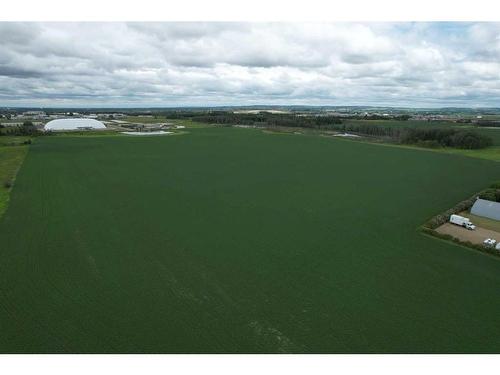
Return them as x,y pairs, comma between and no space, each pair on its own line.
485,208
74,124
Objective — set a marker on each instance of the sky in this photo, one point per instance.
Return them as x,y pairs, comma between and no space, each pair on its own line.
215,64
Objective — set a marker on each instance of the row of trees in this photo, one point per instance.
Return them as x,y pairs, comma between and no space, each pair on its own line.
492,193
264,119
375,116
27,128
488,123
464,139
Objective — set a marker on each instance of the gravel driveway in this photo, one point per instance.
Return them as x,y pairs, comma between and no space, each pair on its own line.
476,236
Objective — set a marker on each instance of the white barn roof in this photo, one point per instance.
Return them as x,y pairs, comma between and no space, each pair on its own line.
74,124
485,208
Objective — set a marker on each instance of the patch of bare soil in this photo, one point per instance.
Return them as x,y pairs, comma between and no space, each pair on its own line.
476,236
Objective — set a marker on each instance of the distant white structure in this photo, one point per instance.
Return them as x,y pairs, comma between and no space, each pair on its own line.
160,132
74,124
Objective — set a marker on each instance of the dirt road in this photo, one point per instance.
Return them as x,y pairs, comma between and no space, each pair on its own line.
476,236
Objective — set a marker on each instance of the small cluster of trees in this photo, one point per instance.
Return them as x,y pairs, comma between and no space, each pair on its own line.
379,131
374,116
492,193
27,128
179,114
488,123
464,139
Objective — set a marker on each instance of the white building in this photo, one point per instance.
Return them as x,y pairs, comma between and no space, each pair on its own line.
485,208
74,124
36,114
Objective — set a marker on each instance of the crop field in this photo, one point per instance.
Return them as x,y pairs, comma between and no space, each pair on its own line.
232,240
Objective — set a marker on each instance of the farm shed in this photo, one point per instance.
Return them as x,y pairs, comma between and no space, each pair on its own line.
485,208
74,124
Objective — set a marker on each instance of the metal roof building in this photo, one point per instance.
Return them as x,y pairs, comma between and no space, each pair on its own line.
74,124
485,208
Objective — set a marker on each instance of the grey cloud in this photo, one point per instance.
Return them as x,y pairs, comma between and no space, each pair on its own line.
12,71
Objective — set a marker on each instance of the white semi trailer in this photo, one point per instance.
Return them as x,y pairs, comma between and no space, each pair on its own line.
462,221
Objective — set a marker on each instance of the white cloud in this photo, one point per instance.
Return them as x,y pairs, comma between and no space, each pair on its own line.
164,64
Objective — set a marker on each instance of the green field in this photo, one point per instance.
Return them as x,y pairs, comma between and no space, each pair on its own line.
488,153
233,240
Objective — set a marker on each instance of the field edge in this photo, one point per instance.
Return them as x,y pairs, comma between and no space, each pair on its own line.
11,160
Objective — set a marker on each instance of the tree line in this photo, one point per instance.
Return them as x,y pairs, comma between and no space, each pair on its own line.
27,128
488,123
421,136
264,120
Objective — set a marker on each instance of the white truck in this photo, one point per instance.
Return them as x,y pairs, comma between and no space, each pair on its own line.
462,221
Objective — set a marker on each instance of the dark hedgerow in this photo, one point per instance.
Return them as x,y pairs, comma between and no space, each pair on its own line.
464,139
268,120
447,237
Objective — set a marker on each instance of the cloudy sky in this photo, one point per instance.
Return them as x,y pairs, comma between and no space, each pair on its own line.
205,64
